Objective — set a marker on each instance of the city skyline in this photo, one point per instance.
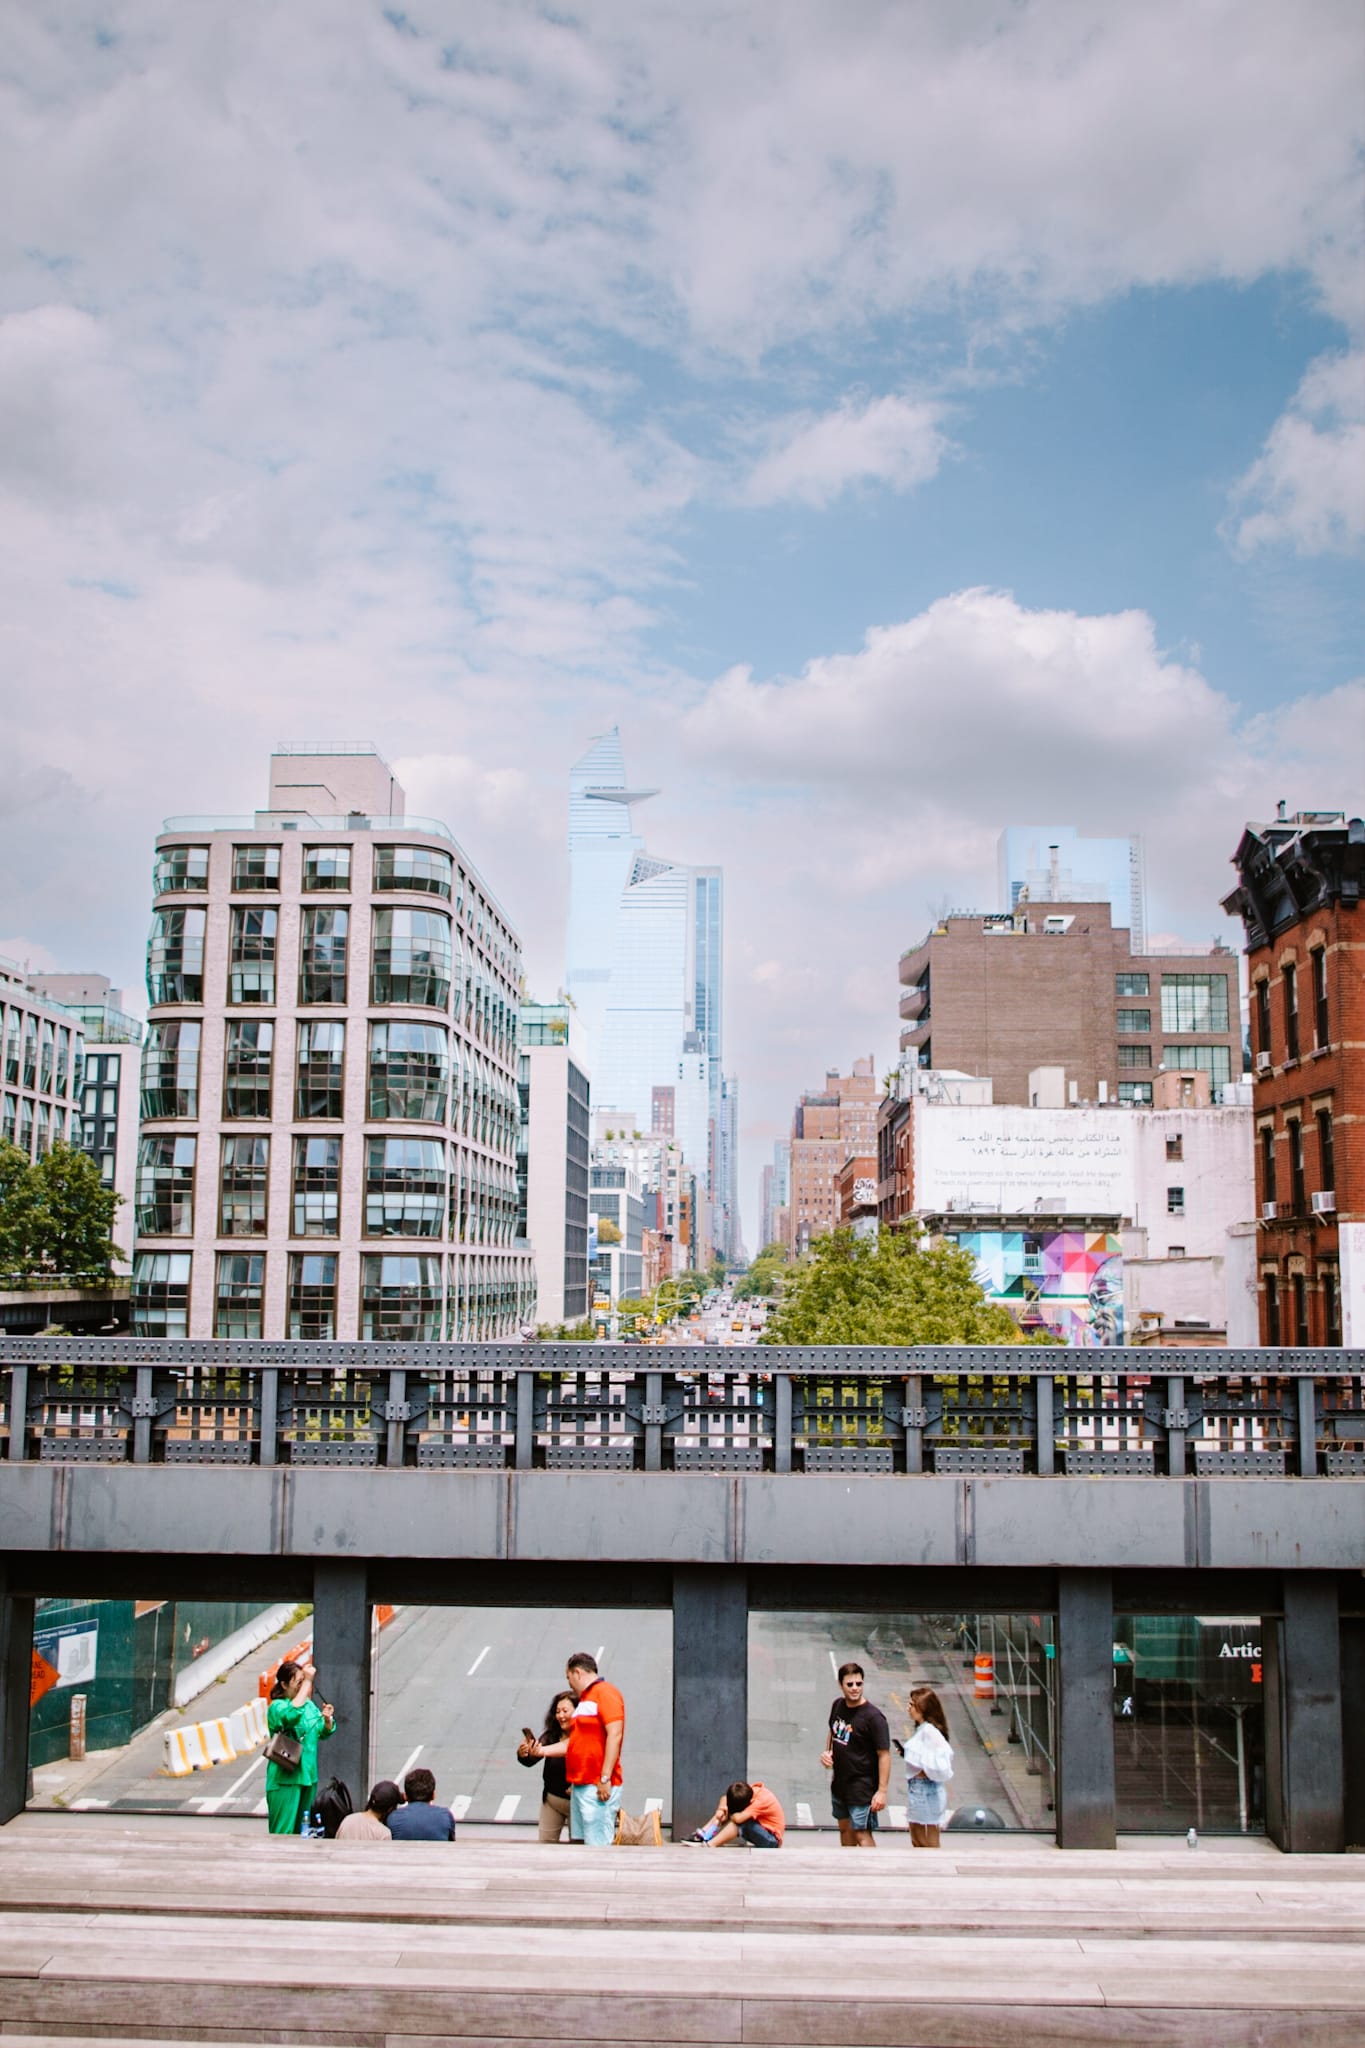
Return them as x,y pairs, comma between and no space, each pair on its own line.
999,455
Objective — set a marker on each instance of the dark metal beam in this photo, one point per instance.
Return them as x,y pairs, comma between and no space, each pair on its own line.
1086,1808
710,1690
1305,1768
16,1671
343,1631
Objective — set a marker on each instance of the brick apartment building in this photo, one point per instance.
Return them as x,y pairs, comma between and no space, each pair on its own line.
829,1127
1055,985
1298,897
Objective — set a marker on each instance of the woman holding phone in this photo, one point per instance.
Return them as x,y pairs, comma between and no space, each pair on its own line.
294,1714
554,1784
928,1768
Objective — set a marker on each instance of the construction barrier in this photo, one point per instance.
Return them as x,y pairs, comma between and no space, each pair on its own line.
199,1745
300,1651
984,1688
186,1751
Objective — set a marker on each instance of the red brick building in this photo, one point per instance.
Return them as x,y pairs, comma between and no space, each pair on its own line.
1298,897
829,1127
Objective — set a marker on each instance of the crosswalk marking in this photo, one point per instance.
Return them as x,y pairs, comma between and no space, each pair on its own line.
896,1815
260,1807
507,1807
804,1818
88,1805
654,1806
460,1807
478,1660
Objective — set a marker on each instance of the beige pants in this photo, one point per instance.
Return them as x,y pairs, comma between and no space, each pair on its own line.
554,1816
923,1837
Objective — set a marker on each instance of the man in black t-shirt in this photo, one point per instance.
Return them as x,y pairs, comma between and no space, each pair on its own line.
859,1757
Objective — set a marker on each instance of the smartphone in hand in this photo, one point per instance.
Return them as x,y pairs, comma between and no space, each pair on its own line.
529,1734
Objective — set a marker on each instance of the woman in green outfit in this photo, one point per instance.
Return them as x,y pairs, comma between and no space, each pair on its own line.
289,1795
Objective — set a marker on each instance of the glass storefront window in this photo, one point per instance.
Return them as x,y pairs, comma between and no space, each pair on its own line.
1189,1723
405,1187
243,1186
160,1294
320,1069
165,1185
317,1187
1194,1002
326,867
255,867
409,1072
313,1296
175,956
251,954
322,955
247,1062
170,1070
422,868
180,867
411,958
239,1294
400,1298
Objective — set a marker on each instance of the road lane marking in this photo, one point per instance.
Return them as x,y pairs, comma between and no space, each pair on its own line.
897,1814
654,1806
87,1805
803,1815
507,1807
600,1648
834,1666
261,1806
460,1807
478,1660
410,1762
216,1805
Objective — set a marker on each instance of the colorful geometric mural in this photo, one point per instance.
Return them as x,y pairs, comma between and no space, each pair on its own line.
1070,1281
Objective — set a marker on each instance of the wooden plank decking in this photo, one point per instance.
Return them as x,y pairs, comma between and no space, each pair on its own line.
133,1934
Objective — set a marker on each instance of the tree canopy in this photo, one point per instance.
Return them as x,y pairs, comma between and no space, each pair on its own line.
891,1289
56,1215
765,1276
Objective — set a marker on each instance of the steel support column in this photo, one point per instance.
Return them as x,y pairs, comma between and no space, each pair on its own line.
1085,1710
16,1673
1352,1721
710,1689
1305,1773
342,1651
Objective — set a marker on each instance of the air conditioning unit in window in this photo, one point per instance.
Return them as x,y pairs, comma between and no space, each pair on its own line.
1264,1063
1269,1211
1325,1202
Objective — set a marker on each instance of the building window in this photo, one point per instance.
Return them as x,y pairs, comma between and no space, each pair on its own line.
317,1187
413,867
30,1052
160,1294
243,1187
1175,1147
251,954
1213,1060
25,1126
1272,1309
255,867
180,867
164,1195
1135,1020
246,1067
1321,1035
1194,1002
64,1060
41,1144
13,1028
411,958
1262,1002
400,1298
1175,1251
1331,1306
1299,1286
1132,984
405,1187
1135,1055
1291,1012
319,1082
47,1056
239,1294
1175,1201
409,1072
170,1070
175,956
1297,1194
322,955
313,1296
1267,1163
9,1124
1327,1152
326,867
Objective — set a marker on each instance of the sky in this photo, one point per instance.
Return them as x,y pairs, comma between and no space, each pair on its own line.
902,420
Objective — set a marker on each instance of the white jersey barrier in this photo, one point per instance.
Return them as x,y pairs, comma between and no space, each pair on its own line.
201,1744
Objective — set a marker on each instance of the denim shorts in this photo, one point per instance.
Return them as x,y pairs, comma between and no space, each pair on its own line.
863,1818
757,1836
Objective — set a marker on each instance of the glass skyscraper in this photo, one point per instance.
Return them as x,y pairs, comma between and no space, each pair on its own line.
1058,864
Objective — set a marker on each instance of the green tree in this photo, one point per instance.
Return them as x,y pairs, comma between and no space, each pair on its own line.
56,1216
607,1231
765,1275
891,1289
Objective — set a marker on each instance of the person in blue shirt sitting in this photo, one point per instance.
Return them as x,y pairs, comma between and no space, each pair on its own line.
420,1820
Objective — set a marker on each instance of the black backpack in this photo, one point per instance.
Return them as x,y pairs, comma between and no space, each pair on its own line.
334,1802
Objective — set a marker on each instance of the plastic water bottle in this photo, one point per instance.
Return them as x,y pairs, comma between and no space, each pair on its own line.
1192,1840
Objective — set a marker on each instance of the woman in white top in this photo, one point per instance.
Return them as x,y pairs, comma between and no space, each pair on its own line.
928,1768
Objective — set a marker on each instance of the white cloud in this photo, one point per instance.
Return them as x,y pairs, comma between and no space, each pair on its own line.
894,441
1306,489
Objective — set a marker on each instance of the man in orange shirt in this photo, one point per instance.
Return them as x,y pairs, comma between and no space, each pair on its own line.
751,1812
592,1753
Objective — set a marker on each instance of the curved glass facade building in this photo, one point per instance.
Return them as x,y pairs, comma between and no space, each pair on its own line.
329,1080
